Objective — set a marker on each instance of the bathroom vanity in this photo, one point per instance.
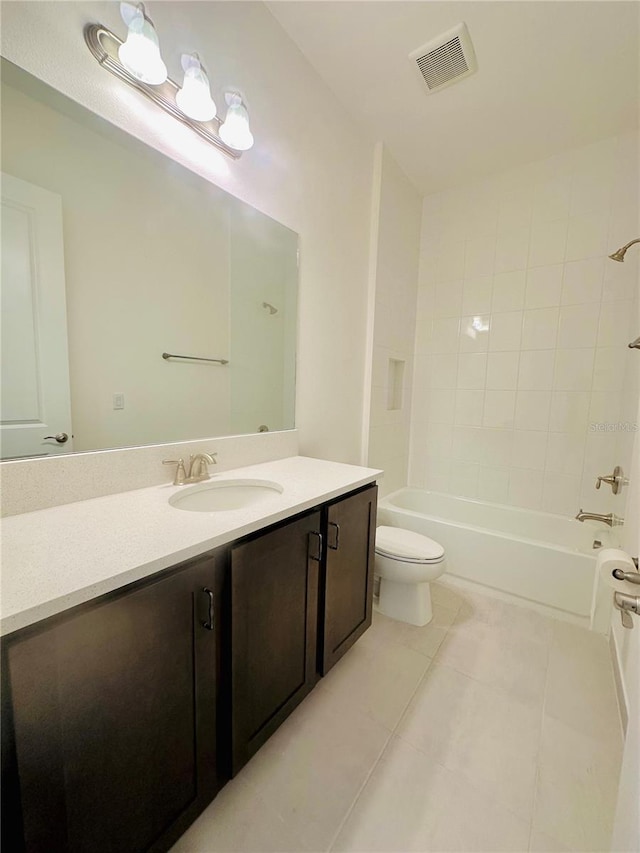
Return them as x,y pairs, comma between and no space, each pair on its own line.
125,713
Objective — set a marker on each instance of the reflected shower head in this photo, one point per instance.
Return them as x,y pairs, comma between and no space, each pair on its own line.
619,254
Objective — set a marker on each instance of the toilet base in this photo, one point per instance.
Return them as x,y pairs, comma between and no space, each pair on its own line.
406,602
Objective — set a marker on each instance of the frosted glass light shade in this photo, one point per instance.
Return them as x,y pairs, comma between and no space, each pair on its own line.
194,98
140,53
235,129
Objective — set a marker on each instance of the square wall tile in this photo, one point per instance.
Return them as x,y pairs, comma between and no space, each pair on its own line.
508,291
604,406
493,484
476,295
582,281
621,280
502,371
536,370
499,409
540,328
529,449
578,327
587,236
448,299
532,410
512,248
450,261
472,370
444,368
438,473
444,334
544,286
497,447
574,369
616,326
569,411
441,405
548,243
561,493
479,257
439,439
608,370
525,488
506,331
467,444
464,478
565,452
469,405
474,333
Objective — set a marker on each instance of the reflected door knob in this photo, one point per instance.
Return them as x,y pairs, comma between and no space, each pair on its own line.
60,437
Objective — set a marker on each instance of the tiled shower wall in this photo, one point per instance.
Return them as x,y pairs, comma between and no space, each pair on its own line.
522,331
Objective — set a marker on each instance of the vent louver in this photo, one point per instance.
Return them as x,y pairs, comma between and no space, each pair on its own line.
446,59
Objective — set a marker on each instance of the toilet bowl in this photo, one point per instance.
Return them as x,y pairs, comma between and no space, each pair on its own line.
406,562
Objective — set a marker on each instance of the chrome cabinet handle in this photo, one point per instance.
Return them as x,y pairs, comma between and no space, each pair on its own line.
337,545
60,437
209,623
319,535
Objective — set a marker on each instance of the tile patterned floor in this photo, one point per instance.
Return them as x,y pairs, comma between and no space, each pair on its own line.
491,729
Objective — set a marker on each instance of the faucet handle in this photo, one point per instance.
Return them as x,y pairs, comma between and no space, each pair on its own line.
181,474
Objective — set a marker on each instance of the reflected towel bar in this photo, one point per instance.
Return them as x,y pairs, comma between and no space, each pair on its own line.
166,355
635,344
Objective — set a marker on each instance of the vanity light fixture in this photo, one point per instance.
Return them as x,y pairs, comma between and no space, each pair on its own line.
194,99
140,54
137,61
235,129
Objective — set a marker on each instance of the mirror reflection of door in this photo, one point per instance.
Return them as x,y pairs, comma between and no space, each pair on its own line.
34,399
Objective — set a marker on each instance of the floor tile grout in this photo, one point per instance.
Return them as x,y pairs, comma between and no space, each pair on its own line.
384,749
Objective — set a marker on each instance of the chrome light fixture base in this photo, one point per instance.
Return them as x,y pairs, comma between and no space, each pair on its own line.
104,45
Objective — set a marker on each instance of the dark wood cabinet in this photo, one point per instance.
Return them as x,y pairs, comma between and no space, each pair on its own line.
110,717
274,607
123,717
347,587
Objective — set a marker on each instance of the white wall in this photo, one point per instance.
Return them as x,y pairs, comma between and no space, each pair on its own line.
522,331
396,247
310,169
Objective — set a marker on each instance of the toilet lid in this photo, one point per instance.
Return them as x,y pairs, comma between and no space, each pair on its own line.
407,545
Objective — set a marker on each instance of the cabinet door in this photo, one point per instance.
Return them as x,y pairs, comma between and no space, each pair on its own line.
274,591
114,718
348,587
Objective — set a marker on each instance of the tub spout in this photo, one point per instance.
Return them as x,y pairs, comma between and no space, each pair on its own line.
607,518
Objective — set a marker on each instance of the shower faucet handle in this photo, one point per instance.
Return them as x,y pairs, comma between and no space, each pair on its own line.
616,480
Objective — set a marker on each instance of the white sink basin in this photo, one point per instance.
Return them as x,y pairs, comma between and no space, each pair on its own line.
224,495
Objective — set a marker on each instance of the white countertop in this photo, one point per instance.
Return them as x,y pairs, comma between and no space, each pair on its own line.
57,558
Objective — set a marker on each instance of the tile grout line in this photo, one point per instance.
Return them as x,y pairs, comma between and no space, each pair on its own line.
386,744
542,716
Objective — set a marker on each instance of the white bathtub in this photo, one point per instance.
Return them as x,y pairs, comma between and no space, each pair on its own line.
541,558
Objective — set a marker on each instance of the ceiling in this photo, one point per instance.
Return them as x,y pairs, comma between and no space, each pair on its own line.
552,76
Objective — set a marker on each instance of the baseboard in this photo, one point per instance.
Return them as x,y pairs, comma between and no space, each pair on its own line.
617,676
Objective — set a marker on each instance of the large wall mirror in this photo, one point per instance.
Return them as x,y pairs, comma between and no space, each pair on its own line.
113,255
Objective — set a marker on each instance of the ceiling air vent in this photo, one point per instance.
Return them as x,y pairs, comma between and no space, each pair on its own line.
446,59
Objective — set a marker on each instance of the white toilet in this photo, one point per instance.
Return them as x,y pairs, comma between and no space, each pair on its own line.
406,562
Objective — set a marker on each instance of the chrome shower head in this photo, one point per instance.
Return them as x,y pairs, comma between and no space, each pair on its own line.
619,254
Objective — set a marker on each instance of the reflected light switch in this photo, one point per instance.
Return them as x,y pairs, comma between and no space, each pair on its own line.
118,401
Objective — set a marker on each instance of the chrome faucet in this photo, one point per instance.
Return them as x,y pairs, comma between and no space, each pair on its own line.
198,468
607,518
